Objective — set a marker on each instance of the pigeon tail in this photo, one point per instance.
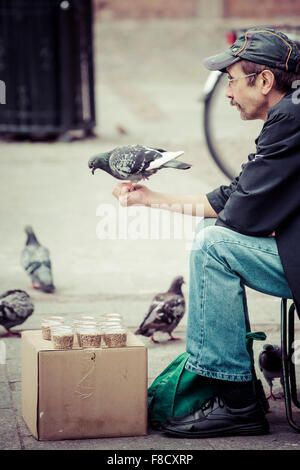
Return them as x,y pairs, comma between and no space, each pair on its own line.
177,164
142,332
31,237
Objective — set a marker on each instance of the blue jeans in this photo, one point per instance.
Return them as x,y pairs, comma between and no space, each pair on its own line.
222,263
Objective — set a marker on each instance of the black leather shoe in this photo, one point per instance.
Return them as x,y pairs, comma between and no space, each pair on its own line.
216,419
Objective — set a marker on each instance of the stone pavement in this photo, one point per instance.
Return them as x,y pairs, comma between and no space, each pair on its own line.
148,80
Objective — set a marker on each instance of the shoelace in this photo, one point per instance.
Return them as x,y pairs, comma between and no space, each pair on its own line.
209,403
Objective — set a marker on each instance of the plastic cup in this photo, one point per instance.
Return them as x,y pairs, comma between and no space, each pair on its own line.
114,337
89,336
78,324
62,337
46,328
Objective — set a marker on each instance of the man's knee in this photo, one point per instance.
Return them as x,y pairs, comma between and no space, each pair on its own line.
207,237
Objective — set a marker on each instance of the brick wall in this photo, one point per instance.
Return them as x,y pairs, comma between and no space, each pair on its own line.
261,8
116,9
143,9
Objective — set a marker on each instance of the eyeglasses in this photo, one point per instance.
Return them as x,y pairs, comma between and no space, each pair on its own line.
242,76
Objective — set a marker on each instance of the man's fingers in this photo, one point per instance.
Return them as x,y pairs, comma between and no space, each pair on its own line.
122,188
123,200
129,194
128,199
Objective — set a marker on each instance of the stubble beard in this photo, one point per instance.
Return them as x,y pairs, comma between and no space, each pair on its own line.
243,114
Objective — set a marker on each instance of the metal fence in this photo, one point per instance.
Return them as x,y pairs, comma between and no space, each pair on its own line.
46,64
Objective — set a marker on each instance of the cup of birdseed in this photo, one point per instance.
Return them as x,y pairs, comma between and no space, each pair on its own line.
46,328
77,327
89,335
62,337
114,337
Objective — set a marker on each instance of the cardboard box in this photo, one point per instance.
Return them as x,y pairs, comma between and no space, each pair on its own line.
83,393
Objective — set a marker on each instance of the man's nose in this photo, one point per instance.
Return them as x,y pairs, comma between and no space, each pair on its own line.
228,92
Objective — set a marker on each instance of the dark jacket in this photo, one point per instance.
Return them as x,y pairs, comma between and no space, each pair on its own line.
266,195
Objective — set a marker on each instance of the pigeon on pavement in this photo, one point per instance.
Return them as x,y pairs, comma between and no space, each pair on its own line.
136,162
35,259
15,307
165,312
271,366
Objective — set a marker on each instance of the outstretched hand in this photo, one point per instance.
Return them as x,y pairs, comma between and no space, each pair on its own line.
130,194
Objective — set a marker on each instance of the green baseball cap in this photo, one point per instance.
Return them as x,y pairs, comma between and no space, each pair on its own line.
260,45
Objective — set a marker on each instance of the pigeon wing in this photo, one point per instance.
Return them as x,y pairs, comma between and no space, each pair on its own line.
154,319
173,309
177,306
133,160
33,256
270,363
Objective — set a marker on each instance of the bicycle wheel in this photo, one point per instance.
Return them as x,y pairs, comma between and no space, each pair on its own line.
228,137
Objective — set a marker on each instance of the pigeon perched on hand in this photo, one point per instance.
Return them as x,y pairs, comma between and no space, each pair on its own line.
271,366
165,312
136,162
35,259
15,307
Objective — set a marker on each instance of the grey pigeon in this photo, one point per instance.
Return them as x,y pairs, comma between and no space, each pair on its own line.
165,312
271,366
35,259
15,307
136,162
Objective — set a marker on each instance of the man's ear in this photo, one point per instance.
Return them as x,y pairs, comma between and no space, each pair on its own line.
266,81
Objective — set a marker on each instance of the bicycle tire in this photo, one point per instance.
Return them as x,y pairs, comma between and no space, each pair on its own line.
208,134
229,138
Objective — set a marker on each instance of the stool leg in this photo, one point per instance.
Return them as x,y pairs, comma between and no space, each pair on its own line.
285,367
292,371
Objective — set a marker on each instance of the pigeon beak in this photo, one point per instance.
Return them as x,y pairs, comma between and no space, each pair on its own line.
92,167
